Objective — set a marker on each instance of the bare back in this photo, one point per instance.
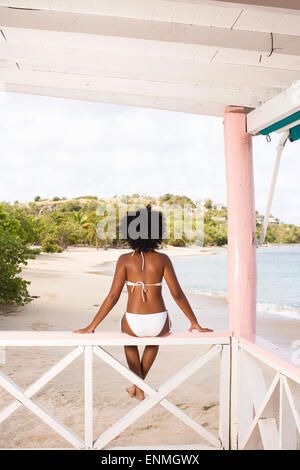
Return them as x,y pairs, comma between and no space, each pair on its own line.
153,272
129,269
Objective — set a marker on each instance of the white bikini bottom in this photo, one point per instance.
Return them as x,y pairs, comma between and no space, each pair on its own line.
149,324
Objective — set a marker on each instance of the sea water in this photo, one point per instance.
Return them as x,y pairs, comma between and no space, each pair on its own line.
278,278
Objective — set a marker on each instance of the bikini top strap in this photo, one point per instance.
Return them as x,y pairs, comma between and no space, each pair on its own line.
143,259
145,283
140,283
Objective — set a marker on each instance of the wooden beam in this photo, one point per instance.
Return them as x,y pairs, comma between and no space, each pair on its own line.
265,407
293,398
241,222
166,447
279,6
225,393
119,99
147,30
267,425
272,355
287,423
88,397
277,108
143,66
266,5
107,338
215,94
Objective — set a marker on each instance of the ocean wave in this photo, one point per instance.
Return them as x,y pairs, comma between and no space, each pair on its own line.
261,307
212,293
281,310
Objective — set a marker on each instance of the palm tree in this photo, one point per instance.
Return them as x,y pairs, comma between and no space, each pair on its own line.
92,232
80,218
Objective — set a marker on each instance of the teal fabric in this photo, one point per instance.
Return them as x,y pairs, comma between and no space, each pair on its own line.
284,122
295,133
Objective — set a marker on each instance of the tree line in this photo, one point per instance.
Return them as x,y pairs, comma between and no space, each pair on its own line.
53,225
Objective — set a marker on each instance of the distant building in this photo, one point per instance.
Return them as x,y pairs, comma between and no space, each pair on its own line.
220,219
259,219
272,220
220,206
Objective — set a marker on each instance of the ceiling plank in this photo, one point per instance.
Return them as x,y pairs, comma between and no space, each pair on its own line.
164,69
285,6
146,30
201,92
166,104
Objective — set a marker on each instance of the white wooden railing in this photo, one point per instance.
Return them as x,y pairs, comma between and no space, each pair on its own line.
265,396
218,345
259,391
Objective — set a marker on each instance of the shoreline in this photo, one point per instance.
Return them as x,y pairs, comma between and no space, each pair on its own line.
264,310
174,252
93,269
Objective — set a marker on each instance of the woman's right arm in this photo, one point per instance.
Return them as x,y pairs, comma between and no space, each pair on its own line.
179,296
111,299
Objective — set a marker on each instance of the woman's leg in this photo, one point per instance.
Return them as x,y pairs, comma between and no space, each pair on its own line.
134,364
132,356
149,355
133,361
150,351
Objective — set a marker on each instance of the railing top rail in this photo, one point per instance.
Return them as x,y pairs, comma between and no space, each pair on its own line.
107,338
272,355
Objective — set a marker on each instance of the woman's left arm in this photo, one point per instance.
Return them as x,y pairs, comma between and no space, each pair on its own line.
111,299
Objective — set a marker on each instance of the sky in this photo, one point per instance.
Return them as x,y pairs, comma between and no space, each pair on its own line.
66,148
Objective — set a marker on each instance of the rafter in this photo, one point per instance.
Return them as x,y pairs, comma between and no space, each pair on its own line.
286,6
194,93
145,67
147,30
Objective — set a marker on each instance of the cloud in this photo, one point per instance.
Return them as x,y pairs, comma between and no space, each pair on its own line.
56,147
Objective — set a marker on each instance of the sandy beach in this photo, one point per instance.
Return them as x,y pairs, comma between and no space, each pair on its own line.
68,289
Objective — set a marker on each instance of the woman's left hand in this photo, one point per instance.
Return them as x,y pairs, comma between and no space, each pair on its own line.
88,329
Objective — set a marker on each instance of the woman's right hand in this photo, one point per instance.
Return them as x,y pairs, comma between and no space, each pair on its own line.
199,328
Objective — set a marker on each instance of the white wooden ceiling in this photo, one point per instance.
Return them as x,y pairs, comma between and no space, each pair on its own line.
193,56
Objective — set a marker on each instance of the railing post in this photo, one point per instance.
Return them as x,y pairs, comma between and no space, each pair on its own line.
234,394
287,424
241,223
88,397
224,393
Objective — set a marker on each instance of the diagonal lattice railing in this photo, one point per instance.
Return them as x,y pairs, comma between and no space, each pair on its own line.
266,414
90,345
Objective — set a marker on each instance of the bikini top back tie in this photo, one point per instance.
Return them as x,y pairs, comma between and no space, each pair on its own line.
141,283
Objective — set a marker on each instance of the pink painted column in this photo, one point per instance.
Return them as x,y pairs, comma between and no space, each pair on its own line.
241,223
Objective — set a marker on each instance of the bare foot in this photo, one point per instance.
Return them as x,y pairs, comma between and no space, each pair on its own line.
131,391
139,394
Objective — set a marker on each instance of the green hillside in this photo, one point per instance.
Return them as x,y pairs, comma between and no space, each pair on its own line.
53,225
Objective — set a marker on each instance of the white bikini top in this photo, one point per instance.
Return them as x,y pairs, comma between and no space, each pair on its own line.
141,283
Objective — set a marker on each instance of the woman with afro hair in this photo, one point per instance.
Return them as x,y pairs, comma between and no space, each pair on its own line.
142,270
